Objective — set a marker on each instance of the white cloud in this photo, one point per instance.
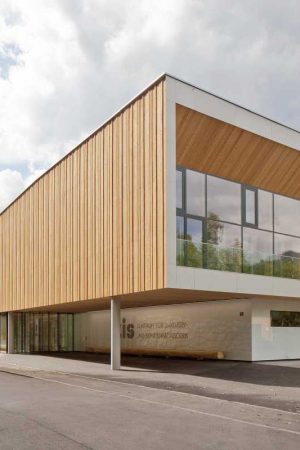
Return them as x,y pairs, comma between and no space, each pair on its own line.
67,65
11,185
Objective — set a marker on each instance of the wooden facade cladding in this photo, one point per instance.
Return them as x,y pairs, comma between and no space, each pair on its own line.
94,225
212,146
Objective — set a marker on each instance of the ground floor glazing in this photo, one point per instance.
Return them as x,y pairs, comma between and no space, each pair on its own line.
38,332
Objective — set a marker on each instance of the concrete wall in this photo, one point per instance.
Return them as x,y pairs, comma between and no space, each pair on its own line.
209,326
273,342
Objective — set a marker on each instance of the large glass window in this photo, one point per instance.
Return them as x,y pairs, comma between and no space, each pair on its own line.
286,215
265,210
211,213
179,192
195,193
223,200
257,251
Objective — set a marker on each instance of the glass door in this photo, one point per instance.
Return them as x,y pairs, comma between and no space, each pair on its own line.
39,332
65,332
53,332
3,332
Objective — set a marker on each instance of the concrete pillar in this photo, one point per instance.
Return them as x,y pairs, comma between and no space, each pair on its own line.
10,332
115,338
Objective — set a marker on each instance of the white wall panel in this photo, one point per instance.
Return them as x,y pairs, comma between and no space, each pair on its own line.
274,342
205,326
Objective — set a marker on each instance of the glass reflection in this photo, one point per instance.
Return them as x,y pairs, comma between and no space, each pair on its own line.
223,246
265,210
223,200
178,189
223,231
250,206
257,241
286,245
287,259
193,249
180,227
286,215
43,332
285,319
224,234
194,230
257,251
195,193
180,241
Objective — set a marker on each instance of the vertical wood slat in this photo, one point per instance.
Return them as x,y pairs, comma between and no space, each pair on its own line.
93,225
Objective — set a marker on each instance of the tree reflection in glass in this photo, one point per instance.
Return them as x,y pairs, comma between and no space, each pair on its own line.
223,245
194,242
224,199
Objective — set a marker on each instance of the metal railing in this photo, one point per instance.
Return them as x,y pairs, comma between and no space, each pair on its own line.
235,259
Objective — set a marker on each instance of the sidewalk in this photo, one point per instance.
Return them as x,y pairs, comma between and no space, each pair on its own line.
270,384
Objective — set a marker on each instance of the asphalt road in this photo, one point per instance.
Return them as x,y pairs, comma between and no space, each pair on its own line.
50,409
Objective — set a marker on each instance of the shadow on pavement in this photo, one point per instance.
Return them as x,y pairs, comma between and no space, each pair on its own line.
264,374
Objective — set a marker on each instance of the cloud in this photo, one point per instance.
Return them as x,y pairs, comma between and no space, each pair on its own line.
11,185
67,65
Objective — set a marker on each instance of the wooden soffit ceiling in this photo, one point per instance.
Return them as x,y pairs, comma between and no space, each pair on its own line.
218,148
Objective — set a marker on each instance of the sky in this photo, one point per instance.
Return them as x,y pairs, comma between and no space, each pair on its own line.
68,65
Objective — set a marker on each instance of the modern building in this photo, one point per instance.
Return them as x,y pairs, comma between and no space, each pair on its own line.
181,214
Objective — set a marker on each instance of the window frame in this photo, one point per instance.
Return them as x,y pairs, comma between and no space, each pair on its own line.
246,188
183,191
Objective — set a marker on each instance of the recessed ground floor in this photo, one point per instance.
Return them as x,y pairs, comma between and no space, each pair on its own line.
239,329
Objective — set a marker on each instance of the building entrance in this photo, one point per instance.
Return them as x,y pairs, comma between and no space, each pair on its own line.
43,332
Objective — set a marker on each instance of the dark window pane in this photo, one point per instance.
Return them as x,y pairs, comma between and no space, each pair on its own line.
257,251
287,259
224,246
195,193
265,210
285,319
286,215
3,332
223,200
250,206
178,189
